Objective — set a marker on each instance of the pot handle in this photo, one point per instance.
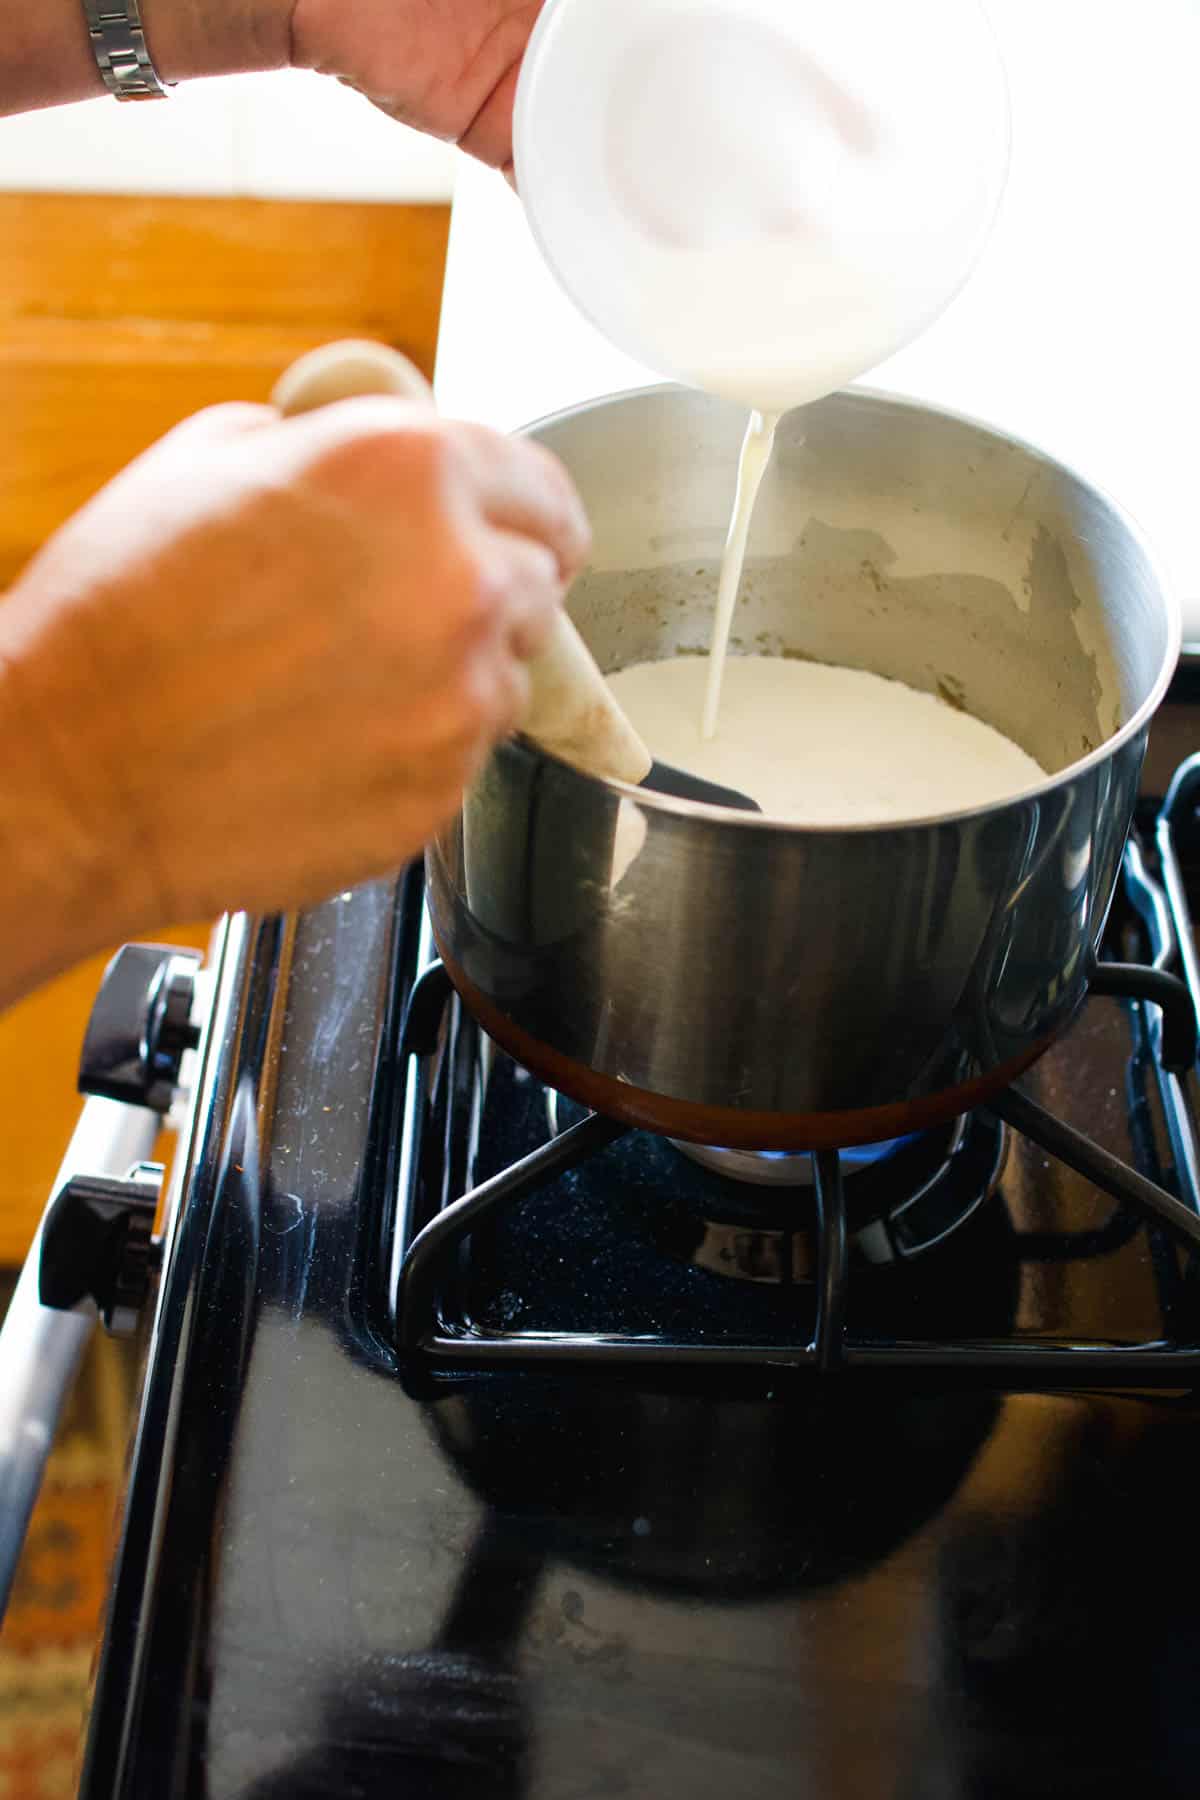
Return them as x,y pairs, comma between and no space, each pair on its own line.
41,1346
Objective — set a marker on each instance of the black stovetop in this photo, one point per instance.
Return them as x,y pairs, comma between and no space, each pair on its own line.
355,1569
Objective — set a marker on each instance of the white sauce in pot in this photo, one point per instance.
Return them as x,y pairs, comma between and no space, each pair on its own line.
822,745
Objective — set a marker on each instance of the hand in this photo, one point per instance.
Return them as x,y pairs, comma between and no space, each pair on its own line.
263,663
449,67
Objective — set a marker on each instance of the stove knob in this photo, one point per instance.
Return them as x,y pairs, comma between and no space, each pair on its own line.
96,1242
140,1026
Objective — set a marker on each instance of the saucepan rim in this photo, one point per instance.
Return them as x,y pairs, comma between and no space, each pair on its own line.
726,817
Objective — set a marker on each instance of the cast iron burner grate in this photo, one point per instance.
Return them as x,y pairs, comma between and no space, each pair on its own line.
433,1321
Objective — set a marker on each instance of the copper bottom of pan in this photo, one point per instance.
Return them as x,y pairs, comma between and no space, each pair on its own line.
733,1127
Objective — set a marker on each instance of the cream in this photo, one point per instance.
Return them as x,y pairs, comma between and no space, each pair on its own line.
822,745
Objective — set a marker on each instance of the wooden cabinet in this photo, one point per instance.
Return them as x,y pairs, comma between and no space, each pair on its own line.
118,317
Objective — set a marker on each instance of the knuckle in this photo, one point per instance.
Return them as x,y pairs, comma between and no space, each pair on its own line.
550,469
492,584
565,507
229,418
469,438
552,472
385,452
491,699
544,580
534,632
482,587
427,450
216,426
479,696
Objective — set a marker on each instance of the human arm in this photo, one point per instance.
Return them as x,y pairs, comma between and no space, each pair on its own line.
448,67
262,664
47,58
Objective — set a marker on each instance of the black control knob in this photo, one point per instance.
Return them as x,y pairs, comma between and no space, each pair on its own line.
96,1241
140,1026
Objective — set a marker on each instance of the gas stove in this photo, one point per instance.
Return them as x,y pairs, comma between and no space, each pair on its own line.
487,1447
530,1231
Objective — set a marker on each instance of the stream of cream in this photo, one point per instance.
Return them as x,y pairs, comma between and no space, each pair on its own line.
812,743
752,466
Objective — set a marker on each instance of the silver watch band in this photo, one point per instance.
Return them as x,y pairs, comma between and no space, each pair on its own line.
119,46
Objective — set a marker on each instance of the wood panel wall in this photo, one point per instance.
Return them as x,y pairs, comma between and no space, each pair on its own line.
118,317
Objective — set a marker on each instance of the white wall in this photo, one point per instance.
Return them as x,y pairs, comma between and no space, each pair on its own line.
290,135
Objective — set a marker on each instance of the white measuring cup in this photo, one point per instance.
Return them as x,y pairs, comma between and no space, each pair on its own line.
763,198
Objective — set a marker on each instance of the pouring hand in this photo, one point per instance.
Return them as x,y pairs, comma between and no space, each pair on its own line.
262,664
448,67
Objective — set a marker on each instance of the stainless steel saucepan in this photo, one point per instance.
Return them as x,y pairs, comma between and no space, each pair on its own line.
730,980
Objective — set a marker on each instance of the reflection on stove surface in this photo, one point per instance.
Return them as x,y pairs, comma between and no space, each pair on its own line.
1067,1625
1031,1635
714,1493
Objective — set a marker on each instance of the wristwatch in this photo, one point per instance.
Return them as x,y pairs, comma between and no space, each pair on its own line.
119,46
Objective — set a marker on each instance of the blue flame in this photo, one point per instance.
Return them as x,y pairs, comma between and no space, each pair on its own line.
861,1157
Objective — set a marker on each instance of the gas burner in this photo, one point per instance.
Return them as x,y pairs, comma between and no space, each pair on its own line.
788,1168
534,1232
749,1214
965,1173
